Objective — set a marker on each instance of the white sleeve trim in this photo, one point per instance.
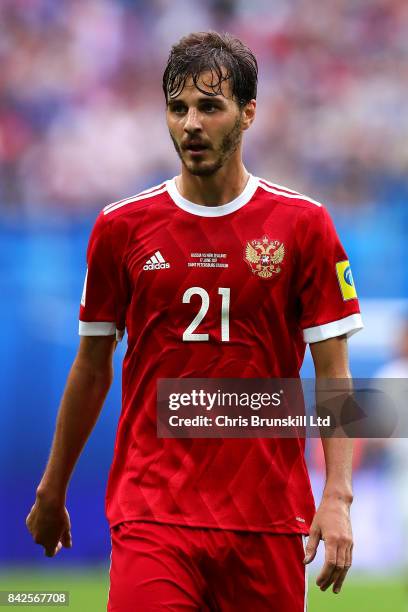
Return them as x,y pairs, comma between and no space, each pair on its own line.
100,328
349,325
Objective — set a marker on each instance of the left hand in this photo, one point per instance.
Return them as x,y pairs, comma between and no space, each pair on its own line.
331,524
50,526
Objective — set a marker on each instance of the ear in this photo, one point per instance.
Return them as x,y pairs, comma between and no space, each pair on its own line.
248,114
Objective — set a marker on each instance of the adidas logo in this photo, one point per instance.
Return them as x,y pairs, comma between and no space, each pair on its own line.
156,262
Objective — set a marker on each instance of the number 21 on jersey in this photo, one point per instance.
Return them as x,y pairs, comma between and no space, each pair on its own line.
189,333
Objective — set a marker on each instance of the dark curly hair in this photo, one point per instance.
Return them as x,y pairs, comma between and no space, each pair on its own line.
225,56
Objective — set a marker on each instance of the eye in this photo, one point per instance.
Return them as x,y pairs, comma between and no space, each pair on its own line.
208,107
178,109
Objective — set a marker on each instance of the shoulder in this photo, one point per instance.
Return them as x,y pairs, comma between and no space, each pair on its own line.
308,218
133,203
115,219
287,196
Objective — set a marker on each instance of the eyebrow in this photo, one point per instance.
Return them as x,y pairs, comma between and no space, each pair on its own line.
216,99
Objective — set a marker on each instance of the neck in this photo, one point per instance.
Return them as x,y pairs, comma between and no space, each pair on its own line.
222,187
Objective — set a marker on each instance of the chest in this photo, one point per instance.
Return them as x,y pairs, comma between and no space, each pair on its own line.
204,273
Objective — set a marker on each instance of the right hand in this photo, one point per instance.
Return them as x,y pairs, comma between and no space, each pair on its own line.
50,526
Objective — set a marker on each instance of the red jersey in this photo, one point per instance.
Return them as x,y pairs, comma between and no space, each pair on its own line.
229,291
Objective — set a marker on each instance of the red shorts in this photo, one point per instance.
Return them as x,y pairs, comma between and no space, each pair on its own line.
166,567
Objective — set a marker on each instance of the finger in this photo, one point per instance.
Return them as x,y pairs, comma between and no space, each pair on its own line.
329,564
311,546
66,539
338,583
51,549
337,571
57,548
341,552
29,519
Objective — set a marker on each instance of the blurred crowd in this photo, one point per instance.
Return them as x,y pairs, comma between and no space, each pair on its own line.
82,111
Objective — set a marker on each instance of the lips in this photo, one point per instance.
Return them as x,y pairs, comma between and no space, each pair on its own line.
196,147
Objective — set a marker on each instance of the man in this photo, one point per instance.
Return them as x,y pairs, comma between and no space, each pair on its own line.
215,273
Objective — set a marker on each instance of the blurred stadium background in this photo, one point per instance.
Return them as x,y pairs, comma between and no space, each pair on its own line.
82,124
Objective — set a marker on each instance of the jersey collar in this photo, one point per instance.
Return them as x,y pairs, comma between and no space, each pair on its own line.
212,211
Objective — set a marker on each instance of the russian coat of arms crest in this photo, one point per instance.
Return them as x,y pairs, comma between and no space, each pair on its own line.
264,256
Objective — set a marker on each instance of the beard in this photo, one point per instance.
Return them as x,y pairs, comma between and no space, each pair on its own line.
228,146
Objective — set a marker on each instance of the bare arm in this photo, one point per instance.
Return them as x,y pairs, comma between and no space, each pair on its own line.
86,388
332,520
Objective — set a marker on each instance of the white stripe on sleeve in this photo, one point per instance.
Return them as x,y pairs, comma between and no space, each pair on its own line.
349,325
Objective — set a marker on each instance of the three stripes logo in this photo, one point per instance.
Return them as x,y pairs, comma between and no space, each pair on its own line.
156,262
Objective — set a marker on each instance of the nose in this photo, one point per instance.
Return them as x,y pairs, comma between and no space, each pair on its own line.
192,123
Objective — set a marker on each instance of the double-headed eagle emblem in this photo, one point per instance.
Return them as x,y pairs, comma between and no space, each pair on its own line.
264,256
